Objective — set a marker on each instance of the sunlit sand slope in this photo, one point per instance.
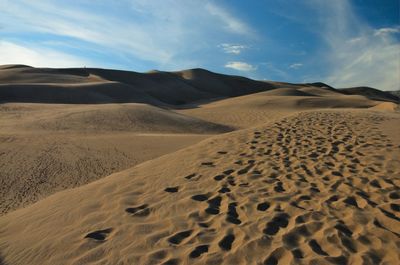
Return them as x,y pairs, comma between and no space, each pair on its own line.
318,187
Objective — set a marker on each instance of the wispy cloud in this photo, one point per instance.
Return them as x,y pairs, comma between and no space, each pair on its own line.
295,65
358,54
232,48
386,31
228,20
241,66
273,70
161,32
11,53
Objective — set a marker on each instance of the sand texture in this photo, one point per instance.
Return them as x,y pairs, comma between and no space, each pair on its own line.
297,174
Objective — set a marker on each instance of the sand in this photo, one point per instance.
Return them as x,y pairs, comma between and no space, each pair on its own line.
308,176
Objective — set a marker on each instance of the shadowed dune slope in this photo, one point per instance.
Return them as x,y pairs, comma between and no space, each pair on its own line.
80,93
371,93
35,165
318,187
396,93
258,108
20,83
130,117
92,85
23,74
289,91
46,148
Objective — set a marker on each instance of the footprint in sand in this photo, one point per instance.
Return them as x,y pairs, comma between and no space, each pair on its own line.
200,197
394,195
193,176
226,243
317,248
232,215
213,205
99,235
190,176
179,237
172,189
395,207
224,190
297,253
279,221
344,229
171,262
271,260
139,211
228,171
263,206
198,251
219,177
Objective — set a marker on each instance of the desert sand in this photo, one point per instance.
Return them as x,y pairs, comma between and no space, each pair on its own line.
192,167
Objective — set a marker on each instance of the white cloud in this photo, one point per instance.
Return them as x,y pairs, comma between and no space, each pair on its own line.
11,53
241,66
233,48
357,54
386,31
295,65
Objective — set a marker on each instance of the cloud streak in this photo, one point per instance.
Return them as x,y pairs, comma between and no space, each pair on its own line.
241,66
357,53
12,53
230,22
295,65
233,48
162,32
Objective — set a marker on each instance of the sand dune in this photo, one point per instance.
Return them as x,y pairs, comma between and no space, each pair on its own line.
132,117
102,166
299,190
23,74
46,148
155,87
91,85
386,106
36,165
320,91
81,93
371,93
289,91
258,108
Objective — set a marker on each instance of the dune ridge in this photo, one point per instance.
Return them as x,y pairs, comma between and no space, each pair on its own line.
21,83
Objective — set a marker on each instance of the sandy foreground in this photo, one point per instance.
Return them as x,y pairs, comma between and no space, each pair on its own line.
317,187
291,175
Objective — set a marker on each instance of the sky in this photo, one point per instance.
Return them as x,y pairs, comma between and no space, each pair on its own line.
343,43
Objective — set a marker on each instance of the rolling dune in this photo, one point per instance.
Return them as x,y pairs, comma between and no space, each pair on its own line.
102,166
316,187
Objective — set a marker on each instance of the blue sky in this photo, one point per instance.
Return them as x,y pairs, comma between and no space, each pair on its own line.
340,42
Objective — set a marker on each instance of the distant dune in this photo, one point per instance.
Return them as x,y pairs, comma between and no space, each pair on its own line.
371,93
102,166
90,85
396,93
